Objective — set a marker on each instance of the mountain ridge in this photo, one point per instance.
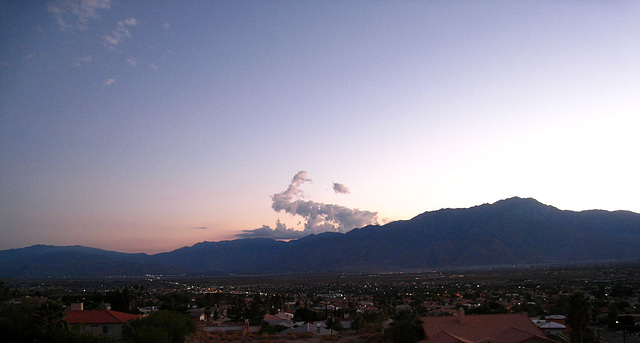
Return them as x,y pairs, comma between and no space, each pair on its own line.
510,231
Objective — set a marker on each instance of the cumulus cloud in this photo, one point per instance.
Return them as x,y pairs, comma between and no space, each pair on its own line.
120,33
340,188
318,217
109,82
281,231
280,200
79,12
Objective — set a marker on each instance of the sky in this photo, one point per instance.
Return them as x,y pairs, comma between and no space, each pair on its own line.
145,126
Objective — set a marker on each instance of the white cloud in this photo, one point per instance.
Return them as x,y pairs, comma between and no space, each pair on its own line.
75,14
166,26
131,62
120,33
109,82
130,22
153,66
82,60
318,217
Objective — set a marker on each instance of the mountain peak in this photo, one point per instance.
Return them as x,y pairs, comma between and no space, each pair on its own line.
510,231
521,202
518,199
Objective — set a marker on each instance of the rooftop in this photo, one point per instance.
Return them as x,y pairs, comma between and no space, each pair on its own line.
507,328
98,317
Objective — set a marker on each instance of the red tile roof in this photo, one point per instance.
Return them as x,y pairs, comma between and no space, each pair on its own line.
98,317
515,335
506,328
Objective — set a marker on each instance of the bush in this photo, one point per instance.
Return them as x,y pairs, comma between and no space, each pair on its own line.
162,326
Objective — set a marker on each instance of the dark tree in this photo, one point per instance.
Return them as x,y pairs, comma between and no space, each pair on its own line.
164,326
255,313
305,315
5,293
358,323
121,301
334,324
147,334
578,318
406,328
612,315
50,311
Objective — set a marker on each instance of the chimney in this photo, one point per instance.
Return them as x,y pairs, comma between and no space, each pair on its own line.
461,315
77,306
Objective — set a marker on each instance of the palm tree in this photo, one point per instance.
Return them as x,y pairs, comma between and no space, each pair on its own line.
50,311
579,316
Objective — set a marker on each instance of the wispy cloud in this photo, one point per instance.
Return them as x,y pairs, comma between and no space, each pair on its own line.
166,26
199,227
153,66
120,33
340,188
131,62
75,14
108,82
318,217
82,60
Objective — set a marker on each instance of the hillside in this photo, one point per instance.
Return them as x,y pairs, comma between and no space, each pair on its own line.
511,231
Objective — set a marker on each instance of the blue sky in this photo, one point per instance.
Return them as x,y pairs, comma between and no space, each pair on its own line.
145,126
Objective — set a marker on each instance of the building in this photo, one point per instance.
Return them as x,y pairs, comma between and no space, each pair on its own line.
318,328
98,322
491,328
278,319
550,327
197,313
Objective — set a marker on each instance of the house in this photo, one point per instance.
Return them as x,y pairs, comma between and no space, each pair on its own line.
550,327
244,328
346,323
98,322
278,319
149,309
197,313
288,315
490,328
318,328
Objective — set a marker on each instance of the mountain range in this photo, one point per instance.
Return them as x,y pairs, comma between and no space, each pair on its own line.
513,231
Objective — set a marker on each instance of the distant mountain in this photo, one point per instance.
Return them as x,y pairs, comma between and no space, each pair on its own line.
77,261
511,231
